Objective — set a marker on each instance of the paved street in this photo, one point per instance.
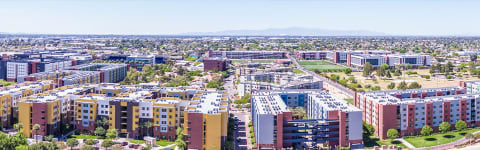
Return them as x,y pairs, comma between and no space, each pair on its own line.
241,134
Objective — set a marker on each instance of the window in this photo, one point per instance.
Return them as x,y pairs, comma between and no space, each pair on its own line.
164,110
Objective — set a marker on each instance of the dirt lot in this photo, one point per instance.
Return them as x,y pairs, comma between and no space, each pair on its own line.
438,81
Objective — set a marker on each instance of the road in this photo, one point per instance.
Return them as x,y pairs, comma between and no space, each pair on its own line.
332,86
242,131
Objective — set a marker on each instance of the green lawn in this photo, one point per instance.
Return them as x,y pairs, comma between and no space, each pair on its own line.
253,61
349,100
297,71
314,63
137,141
82,136
324,67
377,142
438,139
164,143
197,63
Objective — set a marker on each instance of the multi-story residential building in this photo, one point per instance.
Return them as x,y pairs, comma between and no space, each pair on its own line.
42,111
10,95
330,120
413,60
249,54
206,120
215,63
18,68
277,81
358,61
342,56
51,110
15,69
81,74
408,111
311,55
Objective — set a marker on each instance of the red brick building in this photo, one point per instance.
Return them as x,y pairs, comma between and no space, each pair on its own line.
215,63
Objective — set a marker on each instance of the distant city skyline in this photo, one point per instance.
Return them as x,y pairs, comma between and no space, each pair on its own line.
151,17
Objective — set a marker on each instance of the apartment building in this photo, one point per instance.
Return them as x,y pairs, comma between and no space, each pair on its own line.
413,60
277,81
81,74
51,110
408,111
10,95
311,55
330,120
215,63
248,54
206,120
17,68
358,61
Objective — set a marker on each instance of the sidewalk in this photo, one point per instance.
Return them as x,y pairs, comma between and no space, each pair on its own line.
405,143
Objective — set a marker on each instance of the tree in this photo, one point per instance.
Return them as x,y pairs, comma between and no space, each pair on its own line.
473,57
107,143
389,75
90,142
11,142
112,133
426,77
426,130
414,85
36,127
72,143
148,125
367,69
391,86
408,66
380,72
367,131
402,86
100,131
49,138
392,133
348,71
375,88
444,127
87,147
461,125
179,141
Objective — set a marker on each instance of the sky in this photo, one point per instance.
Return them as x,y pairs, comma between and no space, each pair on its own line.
162,17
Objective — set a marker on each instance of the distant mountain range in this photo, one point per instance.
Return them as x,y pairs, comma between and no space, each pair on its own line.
294,31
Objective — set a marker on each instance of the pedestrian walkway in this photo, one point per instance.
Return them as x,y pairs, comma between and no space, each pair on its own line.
405,143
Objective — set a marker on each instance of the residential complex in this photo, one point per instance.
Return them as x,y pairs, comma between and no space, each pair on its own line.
215,63
408,111
10,96
277,81
329,119
206,120
81,74
248,54
202,112
357,59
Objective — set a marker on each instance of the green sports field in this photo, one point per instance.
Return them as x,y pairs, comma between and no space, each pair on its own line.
321,66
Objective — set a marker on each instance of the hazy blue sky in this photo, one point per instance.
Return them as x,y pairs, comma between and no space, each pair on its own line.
400,17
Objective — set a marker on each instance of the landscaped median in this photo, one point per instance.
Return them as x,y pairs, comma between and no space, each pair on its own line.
438,139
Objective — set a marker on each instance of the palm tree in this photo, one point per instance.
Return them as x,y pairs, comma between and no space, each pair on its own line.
36,127
147,125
